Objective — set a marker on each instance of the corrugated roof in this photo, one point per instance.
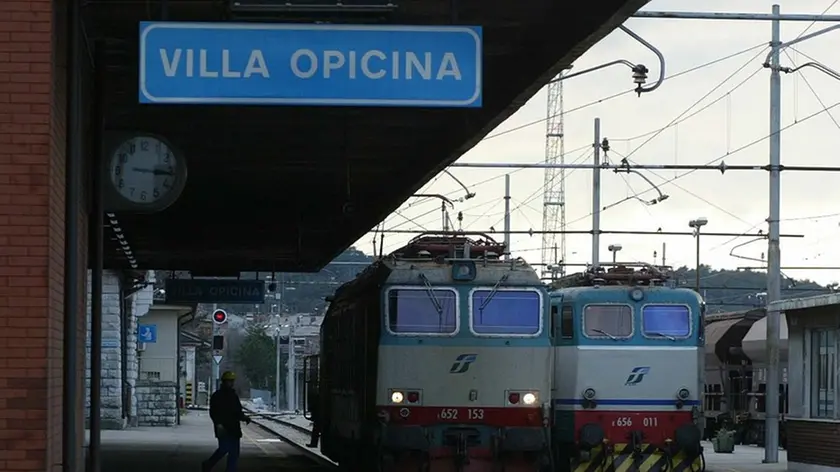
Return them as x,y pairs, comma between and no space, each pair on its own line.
803,303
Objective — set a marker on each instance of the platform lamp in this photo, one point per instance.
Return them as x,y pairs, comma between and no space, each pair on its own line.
696,225
614,248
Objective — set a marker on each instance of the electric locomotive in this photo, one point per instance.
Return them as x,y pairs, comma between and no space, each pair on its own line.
437,358
629,371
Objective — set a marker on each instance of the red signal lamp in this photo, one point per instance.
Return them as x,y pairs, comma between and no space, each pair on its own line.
219,316
513,398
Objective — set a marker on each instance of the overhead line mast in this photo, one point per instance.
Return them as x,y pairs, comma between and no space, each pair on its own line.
554,198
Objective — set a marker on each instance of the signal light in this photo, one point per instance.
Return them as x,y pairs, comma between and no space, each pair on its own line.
219,316
413,397
513,398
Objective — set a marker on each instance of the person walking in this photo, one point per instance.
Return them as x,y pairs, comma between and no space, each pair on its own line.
226,413
315,410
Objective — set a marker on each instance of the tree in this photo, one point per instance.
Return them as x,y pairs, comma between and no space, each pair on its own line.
257,358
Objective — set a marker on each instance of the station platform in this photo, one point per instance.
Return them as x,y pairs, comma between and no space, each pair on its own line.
184,447
743,459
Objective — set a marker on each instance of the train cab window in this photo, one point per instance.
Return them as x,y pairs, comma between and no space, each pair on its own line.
567,323
421,311
666,321
608,321
506,312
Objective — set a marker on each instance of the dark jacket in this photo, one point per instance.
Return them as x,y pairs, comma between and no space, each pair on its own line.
226,410
312,403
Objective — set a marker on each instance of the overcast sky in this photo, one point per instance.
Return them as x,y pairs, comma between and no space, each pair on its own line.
736,202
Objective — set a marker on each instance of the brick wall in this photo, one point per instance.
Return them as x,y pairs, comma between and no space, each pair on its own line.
32,146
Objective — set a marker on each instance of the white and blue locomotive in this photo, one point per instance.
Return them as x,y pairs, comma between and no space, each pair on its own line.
438,358
629,372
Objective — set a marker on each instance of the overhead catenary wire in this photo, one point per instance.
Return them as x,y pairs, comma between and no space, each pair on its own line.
678,119
659,130
811,88
627,92
681,118
519,207
724,156
700,100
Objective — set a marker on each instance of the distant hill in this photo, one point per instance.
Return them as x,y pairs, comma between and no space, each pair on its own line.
736,290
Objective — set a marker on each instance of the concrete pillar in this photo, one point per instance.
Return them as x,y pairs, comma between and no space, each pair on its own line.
32,142
111,386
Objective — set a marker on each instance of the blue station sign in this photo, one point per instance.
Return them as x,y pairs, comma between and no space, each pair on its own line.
189,291
297,64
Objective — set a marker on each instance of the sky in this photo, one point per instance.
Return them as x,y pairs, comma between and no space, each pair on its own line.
730,123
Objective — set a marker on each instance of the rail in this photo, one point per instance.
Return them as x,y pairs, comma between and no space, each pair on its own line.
291,433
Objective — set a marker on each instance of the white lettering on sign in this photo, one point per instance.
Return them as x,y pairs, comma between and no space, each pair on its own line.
475,414
651,422
374,64
173,66
448,414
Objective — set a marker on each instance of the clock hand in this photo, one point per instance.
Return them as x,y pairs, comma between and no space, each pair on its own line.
152,171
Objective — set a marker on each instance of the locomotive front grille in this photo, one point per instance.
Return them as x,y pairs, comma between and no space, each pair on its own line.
453,436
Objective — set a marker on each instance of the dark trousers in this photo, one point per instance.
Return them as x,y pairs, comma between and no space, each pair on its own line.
315,435
227,445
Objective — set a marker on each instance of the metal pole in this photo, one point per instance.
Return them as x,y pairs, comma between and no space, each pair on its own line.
687,15
596,196
214,368
97,225
531,232
443,223
277,366
663,255
774,273
507,217
290,371
722,167
697,262
72,265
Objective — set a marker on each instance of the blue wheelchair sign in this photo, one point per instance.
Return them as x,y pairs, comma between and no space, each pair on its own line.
147,333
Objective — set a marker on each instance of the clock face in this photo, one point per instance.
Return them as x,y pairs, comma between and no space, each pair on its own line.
144,170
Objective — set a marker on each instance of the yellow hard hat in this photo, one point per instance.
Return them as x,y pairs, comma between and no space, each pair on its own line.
228,376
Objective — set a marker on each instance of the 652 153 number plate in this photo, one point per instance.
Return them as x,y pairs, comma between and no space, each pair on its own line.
461,414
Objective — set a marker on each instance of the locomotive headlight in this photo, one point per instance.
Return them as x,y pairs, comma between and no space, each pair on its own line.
397,397
589,394
683,394
529,399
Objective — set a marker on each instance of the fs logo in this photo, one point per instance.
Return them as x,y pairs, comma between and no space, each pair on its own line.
637,375
462,363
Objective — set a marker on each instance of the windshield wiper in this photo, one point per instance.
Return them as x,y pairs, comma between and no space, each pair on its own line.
431,294
663,335
601,331
492,293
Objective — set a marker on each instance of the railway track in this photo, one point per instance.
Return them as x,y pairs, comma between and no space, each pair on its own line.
294,434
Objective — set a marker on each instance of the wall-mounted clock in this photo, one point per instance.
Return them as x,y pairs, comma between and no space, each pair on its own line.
144,173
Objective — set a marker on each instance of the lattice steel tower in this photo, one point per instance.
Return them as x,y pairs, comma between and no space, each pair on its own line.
554,199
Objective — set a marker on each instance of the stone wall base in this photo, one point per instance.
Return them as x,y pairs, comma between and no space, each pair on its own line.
157,403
